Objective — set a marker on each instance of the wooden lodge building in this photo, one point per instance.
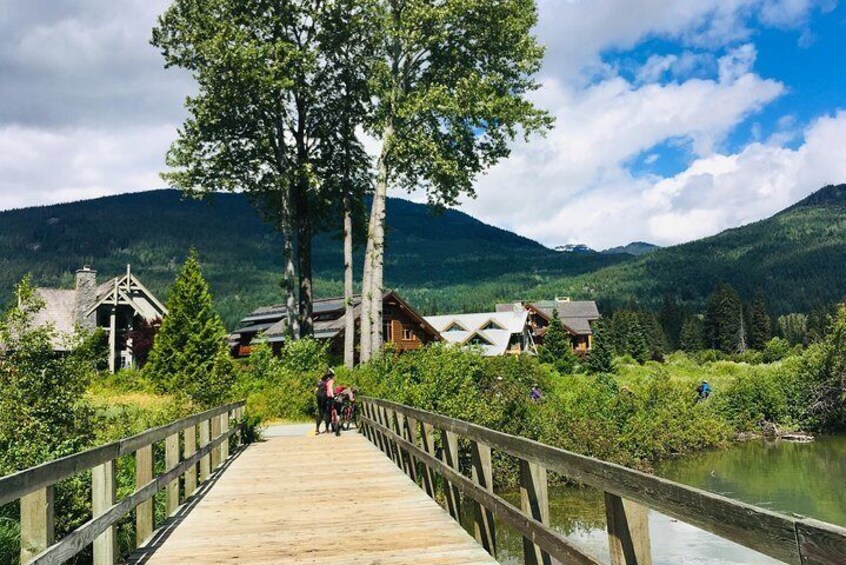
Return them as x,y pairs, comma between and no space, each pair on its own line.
116,306
402,326
576,316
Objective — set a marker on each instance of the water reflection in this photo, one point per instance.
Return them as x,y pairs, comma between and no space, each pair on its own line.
806,479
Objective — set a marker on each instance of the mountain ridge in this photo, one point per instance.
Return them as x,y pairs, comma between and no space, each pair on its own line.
446,262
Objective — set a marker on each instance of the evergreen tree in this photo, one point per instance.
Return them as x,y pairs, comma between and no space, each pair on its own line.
656,339
557,349
760,325
671,318
628,336
600,359
819,322
190,356
692,335
724,321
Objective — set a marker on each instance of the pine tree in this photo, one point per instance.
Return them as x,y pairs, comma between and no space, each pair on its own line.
724,325
189,356
671,318
656,338
600,359
760,325
692,335
557,349
628,336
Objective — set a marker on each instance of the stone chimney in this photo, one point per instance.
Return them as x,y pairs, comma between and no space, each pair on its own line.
86,297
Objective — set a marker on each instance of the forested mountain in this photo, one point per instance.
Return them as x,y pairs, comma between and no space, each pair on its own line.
445,261
798,257
636,248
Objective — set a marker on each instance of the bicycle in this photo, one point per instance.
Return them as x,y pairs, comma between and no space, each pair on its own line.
348,414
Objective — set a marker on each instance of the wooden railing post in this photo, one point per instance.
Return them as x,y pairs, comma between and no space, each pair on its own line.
189,443
534,501
628,531
364,426
103,494
412,430
405,456
450,457
483,520
427,439
171,461
144,519
215,433
224,427
37,523
205,460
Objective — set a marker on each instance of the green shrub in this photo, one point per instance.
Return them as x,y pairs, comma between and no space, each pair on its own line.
282,387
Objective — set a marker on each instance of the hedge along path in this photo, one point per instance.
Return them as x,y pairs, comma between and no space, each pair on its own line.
34,487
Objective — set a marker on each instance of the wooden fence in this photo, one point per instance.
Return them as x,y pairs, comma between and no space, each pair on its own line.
34,486
407,435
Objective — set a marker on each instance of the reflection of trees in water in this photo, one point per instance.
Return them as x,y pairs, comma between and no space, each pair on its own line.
573,511
788,477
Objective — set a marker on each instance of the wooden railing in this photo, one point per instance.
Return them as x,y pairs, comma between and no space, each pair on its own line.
34,486
407,436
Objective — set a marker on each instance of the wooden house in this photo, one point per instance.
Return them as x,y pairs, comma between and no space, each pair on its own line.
402,326
576,316
116,305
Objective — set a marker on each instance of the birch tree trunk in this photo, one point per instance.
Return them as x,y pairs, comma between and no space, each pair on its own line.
290,281
349,314
378,231
366,303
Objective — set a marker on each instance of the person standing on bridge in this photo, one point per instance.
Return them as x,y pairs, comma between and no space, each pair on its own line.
324,392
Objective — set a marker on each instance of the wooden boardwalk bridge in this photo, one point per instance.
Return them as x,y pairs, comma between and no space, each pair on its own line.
369,498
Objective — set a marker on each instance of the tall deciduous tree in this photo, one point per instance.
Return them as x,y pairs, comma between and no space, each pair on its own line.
263,119
450,87
760,324
190,356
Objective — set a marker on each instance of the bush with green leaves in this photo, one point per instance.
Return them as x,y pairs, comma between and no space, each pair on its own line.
190,356
44,413
282,387
557,349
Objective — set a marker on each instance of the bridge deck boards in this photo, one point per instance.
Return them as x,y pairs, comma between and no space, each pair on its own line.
316,500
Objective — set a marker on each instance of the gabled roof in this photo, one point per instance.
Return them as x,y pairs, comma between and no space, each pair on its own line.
511,323
576,315
128,290
328,318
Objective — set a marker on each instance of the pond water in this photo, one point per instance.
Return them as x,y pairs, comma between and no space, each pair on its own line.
793,478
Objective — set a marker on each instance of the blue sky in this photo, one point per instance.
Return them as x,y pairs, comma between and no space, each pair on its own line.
675,119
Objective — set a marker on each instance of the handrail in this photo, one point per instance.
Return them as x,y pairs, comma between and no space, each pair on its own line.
396,428
34,486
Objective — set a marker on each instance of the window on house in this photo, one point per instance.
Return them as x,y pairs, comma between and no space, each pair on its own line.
479,340
492,325
455,327
387,335
408,334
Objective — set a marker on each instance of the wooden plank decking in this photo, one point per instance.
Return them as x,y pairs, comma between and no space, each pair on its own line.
315,500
